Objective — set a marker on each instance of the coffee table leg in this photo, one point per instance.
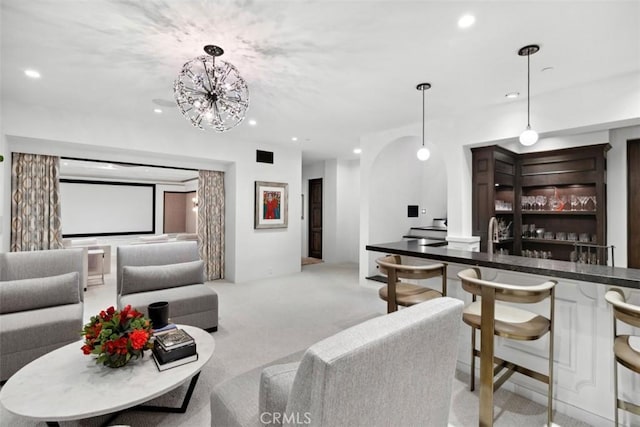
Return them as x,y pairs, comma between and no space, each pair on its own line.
150,408
185,402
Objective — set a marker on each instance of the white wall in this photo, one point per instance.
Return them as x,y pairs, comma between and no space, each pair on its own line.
399,179
151,141
348,195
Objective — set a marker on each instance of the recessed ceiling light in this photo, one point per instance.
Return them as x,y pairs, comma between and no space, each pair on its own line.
157,111
252,122
295,138
466,21
65,163
32,74
357,150
512,94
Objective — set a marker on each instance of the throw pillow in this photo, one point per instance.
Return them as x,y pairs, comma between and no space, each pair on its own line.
155,277
40,292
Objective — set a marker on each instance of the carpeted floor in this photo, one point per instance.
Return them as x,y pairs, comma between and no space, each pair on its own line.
266,320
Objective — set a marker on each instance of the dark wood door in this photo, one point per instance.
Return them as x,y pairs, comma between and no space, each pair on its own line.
633,203
315,218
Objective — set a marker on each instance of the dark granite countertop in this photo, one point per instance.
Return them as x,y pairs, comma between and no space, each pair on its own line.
423,248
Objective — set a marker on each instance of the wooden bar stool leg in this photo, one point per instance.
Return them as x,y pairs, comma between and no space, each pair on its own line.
487,328
551,341
392,278
472,382
615,375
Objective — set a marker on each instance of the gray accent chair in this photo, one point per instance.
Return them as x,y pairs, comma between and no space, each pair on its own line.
393,370
171,272
41,304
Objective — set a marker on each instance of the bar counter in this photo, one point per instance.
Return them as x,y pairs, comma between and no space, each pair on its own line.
429,249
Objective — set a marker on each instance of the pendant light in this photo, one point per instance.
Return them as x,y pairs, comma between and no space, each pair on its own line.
528,136
423,153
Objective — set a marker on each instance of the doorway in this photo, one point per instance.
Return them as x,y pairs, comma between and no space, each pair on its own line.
633,203
315,218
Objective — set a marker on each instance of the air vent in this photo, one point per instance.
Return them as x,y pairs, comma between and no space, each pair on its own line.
264,156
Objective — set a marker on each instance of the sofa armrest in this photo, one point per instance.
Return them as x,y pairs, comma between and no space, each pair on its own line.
275,385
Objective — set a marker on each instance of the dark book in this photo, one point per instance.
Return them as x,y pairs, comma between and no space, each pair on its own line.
166,356
175,338
164,366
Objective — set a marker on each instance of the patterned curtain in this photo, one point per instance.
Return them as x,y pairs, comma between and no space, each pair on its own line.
211,222
35,203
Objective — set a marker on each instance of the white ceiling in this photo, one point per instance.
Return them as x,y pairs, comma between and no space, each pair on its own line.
324,71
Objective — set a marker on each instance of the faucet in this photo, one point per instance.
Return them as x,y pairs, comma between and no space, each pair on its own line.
492,235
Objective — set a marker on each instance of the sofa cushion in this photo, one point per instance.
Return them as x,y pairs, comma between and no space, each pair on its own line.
33,329
155,277
31,294
182,300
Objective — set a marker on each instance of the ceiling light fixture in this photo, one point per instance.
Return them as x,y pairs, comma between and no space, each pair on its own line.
357,150
466,21
529,136
252,122
294,138
210,93
512,95
157,111
32,74
423,153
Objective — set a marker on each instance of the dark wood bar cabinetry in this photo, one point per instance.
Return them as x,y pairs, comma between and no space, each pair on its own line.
551,200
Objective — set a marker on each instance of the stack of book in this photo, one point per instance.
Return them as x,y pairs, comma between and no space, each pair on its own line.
173,348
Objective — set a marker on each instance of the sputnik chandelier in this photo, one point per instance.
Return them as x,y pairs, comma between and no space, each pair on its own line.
211,93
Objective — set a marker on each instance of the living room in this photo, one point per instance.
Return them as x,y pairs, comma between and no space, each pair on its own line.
325,79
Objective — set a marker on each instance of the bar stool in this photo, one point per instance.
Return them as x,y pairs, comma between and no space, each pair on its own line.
396,292
623,352
493,317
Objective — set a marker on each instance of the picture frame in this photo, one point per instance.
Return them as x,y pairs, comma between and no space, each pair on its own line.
271,205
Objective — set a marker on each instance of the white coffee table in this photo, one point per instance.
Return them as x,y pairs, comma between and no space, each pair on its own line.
67,385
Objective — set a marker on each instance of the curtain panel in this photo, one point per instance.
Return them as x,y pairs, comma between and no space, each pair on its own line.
35,202
211,222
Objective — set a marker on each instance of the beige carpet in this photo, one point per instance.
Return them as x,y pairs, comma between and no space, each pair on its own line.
269,319
309,261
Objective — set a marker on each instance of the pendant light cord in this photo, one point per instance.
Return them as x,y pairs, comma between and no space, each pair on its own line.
528,90
423,116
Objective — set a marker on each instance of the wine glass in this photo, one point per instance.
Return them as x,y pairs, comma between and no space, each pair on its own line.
540,201
574,202
583,201
595,204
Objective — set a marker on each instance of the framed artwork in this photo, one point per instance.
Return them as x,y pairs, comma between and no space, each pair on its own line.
271,205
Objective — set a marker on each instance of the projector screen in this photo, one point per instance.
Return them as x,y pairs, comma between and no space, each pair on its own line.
96,208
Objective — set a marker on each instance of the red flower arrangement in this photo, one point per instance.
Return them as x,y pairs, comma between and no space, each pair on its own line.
116,337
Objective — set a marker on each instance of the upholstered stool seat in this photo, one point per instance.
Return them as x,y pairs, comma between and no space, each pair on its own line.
626,348
510,322
408,294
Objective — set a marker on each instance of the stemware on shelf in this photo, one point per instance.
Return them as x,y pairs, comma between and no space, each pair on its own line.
574,202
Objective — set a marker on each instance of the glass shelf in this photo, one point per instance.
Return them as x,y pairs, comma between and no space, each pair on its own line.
528,212
549,241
